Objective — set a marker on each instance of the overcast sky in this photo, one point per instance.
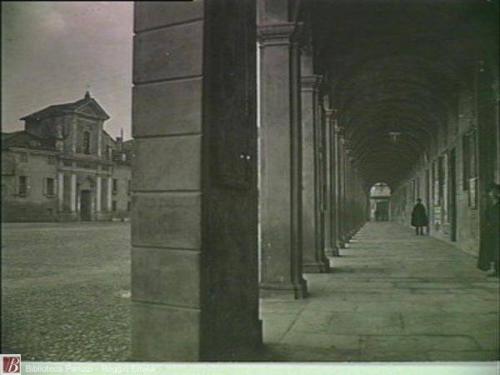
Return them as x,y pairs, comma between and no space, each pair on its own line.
52,51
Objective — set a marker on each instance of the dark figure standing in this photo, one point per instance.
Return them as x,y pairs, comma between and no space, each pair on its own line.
490,246
419,217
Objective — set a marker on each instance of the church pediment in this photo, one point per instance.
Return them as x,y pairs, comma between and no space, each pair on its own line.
87,106
92,109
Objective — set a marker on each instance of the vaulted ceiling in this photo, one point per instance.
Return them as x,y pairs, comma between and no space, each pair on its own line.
396,67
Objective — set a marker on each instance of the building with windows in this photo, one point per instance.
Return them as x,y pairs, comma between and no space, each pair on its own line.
65,167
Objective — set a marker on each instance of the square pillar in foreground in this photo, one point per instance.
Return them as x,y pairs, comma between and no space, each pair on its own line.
194,218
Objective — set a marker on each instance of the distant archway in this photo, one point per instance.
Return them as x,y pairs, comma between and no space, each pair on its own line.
380,195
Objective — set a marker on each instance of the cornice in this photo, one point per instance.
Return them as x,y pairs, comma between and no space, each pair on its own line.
278,33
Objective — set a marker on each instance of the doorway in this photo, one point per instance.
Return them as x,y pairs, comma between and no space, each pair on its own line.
85,205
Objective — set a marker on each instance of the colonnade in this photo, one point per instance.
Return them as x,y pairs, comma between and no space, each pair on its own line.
195,217
311,196
67,194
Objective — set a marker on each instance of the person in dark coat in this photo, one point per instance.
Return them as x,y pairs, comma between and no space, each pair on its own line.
490,245
419,217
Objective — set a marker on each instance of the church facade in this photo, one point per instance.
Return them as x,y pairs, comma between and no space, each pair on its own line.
65,167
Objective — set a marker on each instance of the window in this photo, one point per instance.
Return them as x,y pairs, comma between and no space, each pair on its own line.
114,205
23,157
115,186
109,152
128,205
441,179
23,186
129,187
86,142
50,187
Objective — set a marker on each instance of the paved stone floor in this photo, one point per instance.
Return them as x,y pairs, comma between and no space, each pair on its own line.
391,297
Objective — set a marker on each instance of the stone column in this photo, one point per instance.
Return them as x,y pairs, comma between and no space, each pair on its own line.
280,203
333,185
328,171
72,201
351,194
320,175
98,194
195,291
338,181
109,192
314,259
60,191
342,213
348,195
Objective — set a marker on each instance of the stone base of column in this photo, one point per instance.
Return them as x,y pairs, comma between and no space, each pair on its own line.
284,291
332,251
316,267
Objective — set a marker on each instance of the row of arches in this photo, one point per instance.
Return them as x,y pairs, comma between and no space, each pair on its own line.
349,94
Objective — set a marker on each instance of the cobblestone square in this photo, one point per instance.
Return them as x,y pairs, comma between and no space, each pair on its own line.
66,291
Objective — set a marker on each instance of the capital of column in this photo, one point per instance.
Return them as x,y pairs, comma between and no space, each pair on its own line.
330,113
311,82
278,34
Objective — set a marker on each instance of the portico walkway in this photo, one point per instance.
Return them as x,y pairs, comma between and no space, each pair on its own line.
391,296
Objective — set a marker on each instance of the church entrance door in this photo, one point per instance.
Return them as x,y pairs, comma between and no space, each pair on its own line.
85,208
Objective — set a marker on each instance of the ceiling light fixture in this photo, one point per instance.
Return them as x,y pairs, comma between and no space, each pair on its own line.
394,136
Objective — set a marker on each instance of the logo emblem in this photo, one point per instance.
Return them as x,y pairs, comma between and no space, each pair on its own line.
11,364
